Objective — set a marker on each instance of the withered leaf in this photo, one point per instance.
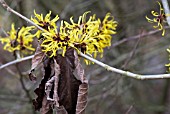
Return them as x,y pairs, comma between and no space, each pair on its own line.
82,98
46,106
48,87
61,110
40,91
68,85
61,86
57,72
83,88
37,59
53,82
79,69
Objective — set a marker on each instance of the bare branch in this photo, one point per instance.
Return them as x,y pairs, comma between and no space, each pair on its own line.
18,14
125,73
136,37
130,108
107,67
132,53
16,61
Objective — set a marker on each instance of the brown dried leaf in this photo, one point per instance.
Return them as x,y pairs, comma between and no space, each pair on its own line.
79,69
40,91
68,85
48,88
83,88
37,59
46,106
61,110
82,98
57,72
69,94
53,82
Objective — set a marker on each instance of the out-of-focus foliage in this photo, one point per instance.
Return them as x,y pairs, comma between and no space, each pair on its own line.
110,93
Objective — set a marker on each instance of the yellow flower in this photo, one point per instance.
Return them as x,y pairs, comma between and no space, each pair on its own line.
45,22
54,43
159,18
89,36
18,40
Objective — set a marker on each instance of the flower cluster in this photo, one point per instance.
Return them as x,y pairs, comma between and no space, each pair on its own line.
93,35
159,18
89,36
20,40
46,22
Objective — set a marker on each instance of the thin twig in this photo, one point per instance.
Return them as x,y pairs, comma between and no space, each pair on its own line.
16,61
10,71
132,53
130,108
4,32
107,67
18,14
137,37
125,73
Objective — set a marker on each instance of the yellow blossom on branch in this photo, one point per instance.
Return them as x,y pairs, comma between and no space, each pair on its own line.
89,36
54,43
44,22
159,18
20,40
93,35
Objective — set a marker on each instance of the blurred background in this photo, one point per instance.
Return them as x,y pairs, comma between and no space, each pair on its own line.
109,93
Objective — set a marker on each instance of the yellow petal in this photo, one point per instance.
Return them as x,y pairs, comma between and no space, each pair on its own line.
154,13
47,17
